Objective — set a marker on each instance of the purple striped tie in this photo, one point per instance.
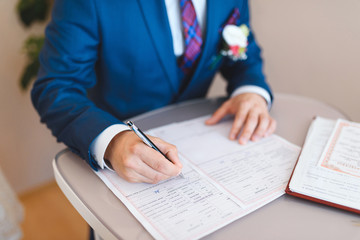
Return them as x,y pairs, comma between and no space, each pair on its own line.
193,38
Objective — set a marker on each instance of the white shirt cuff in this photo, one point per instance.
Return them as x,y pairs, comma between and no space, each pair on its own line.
100,143
253,89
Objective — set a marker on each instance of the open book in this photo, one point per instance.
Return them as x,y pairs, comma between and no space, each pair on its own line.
223,181
328,168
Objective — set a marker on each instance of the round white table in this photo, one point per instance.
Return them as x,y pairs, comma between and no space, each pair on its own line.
285,218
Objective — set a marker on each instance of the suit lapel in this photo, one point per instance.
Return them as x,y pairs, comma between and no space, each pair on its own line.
159,29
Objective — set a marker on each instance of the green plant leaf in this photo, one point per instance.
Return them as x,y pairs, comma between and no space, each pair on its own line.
32,49
33,45
32,10
29,73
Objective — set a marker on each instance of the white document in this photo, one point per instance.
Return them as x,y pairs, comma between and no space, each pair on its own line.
342,152
178,208
319,182
223,181
250,172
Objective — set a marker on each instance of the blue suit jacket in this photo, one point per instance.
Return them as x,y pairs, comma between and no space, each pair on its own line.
106,60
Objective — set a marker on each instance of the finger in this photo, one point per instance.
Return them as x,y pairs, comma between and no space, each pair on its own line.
219,114
272,127
144,173
134,169
158,162
262,127
132,176
238,122
129,169
169,150
249,127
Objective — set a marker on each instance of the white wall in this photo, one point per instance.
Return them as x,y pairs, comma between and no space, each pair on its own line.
310,48
26,147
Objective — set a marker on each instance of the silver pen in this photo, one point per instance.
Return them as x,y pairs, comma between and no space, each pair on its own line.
147,141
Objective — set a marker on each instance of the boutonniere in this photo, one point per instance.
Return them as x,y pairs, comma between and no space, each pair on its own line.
234,43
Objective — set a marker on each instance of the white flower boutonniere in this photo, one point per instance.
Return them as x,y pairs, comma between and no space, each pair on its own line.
235,42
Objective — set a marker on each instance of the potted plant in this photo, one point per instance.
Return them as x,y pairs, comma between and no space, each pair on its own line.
31,11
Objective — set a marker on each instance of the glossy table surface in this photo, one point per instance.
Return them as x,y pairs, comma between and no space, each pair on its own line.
285,218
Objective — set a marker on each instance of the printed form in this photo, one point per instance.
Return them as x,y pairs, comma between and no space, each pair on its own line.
223,181
312,179
342,152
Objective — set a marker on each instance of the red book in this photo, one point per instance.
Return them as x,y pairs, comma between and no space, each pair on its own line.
326,185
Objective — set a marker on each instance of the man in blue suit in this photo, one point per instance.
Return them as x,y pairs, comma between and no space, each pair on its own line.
104,61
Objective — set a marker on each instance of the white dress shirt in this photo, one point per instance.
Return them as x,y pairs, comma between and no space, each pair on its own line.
99,145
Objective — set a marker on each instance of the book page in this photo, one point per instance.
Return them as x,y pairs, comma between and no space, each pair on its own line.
318,182
223,181
342,152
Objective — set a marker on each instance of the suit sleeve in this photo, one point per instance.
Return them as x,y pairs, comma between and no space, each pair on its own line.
67,70
245,72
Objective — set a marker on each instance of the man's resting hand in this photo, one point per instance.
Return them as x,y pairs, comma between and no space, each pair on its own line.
252,119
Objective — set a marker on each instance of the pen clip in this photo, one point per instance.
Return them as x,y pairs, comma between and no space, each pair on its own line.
139,133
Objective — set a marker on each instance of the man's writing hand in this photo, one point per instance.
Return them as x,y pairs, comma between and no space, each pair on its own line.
136,162
252,120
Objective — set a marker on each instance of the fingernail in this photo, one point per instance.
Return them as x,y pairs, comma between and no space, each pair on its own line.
255,138
243,140
232,136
